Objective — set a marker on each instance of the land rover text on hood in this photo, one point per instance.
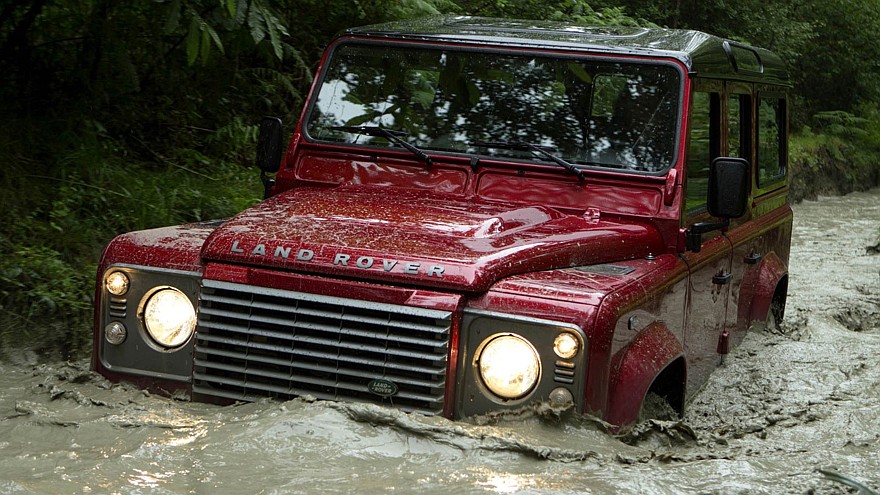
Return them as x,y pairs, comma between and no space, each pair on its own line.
478,215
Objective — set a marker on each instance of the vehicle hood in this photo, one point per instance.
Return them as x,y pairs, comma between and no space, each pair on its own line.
419,237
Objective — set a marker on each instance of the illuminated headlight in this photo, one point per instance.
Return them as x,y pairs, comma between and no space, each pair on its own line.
509,366
566,345
169,317
117,283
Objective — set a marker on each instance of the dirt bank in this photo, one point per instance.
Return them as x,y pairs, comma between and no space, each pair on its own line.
831,170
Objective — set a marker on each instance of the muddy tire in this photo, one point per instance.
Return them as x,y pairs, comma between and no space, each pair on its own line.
657,407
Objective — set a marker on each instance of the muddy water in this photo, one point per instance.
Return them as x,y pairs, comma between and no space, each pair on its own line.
792,399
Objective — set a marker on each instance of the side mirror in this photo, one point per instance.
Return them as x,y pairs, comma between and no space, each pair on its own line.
269,144
728,197
729,186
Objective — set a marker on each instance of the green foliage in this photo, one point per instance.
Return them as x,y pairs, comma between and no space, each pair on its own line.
830,45
261,21
841,123
235,139
230,16
59,218
840,68
199,39
828,164
37,279
573,11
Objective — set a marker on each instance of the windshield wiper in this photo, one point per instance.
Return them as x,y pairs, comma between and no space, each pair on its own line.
393,136
534,148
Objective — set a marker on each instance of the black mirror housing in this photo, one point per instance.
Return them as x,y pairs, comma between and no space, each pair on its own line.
270,144
729,185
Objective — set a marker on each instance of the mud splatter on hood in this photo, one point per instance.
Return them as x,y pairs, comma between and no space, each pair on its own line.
419,237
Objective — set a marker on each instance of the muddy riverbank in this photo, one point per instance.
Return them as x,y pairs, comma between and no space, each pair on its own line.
791,400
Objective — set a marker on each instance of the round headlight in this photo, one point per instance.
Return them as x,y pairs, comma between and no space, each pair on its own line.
509,366
169,317
566,345
117,283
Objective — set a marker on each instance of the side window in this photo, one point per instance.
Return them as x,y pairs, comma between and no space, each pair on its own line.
771,140
703,147
739,112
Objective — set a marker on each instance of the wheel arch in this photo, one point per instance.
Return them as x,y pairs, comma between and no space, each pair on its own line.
655,358
771,288
671,384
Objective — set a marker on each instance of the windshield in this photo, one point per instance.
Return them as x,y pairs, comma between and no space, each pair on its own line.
596,112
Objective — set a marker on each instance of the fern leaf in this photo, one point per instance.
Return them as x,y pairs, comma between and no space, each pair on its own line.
299,61
192,42
214,36
205,46
274,37
256,25
281,27
241,13
173,20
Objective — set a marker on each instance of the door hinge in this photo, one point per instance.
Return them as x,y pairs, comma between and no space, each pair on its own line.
752,259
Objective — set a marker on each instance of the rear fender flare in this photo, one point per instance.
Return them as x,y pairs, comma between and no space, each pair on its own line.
636,367
773,270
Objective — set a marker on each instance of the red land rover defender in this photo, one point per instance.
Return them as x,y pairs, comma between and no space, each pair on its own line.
474,215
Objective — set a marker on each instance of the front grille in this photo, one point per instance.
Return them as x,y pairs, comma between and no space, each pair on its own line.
256,342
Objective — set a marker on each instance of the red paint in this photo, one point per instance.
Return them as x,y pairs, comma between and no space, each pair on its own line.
772,270
425,238
635,368
521,239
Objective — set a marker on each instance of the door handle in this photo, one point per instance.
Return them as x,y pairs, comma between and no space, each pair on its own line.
752,259
722,278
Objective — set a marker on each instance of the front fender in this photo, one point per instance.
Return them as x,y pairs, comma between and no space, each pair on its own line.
634,369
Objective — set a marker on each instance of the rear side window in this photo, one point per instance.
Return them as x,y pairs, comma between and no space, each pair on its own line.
771,140
739,126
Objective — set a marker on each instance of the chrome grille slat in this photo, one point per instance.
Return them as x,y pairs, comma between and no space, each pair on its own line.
316,355
239,397
318,327
409,327
257,341
340,371
427,356
339,386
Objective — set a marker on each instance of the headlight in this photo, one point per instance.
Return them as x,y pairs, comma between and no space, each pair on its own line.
117,283
509,366
169,317
566,345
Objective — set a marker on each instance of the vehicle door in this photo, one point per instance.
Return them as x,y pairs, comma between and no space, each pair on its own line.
754,237
710,268
744,238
